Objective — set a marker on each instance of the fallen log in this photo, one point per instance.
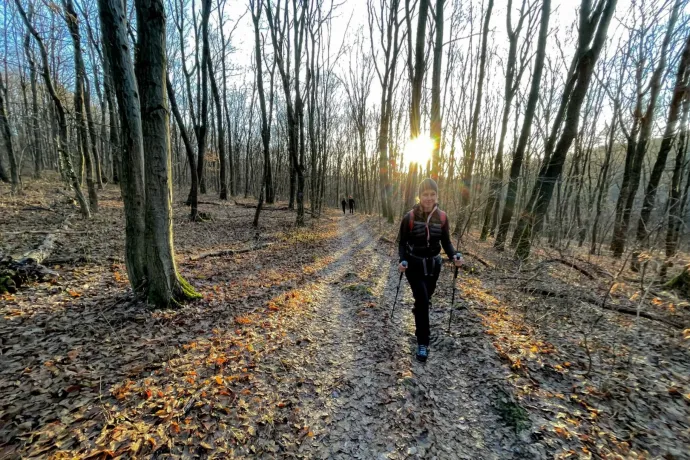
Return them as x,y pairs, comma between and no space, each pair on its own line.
542,291
567,264
43,232
595,267
43,251
15,273
76,260
478,259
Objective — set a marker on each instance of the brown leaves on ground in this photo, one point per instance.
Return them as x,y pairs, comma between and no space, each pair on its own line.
79,355
596,383
290,352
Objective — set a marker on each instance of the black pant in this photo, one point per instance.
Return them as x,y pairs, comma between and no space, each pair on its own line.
423,288
352,209
343,209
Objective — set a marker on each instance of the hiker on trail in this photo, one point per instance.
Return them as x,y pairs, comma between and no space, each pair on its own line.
343,203
423,231
352,205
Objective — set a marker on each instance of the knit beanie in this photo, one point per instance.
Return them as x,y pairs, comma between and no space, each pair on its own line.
427,184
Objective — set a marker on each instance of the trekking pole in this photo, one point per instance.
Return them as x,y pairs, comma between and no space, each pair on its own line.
404,264
452,299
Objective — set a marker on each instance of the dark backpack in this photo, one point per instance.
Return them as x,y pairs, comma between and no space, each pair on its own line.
410,218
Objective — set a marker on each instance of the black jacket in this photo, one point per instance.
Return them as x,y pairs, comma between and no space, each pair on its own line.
424,240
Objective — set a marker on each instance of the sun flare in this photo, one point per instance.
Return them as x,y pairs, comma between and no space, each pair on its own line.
418,151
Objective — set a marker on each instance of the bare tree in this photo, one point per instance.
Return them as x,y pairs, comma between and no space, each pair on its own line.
638,135
165,286
280,38
117,50
518,155
256,7
189,149
435,128
514,70
61,139
593,26
679,139
7,139
419,68
388,27
471,152
221,130
33,77
679,93
202,128
80,72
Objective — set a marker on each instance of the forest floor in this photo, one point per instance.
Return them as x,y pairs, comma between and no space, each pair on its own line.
291,352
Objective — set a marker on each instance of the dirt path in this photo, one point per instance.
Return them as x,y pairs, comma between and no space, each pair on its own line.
363,395
292,358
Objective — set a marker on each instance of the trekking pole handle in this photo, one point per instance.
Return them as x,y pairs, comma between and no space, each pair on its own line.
404,263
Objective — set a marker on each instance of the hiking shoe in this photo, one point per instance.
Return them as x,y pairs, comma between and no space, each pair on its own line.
422,353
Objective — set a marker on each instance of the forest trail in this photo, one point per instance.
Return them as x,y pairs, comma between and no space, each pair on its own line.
289,355
364,395
290,352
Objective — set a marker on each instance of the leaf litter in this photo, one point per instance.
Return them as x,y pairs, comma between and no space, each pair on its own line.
293,355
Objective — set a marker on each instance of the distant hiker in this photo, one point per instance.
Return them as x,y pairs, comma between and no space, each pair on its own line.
352,205
343,203
423,231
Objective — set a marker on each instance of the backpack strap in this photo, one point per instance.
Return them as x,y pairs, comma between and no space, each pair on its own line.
410,218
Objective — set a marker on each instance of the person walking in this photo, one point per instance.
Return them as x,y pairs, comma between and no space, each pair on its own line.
423,232
343,203
352,205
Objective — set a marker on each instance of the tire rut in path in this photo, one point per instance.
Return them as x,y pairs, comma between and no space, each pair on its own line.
367,396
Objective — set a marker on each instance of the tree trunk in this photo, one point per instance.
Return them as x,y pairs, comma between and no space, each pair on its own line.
592,35
79,70
61,138
419,65
188,148
231,165
118,55
390,41
679,93
38,157
508,94
518,156
165,286
293,110
676,204
223,195
469,165
637,148
603,188
267,180
202,128
92,134
7,139
435,128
